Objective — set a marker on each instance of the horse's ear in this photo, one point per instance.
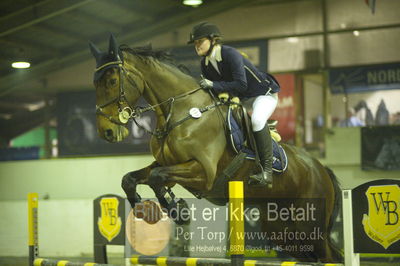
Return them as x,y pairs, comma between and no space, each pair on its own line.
95,52
113,47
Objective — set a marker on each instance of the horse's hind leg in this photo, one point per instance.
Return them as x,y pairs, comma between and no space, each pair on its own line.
132,179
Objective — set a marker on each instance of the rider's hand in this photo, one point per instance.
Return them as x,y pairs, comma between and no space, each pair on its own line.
224,97
235,102
206,84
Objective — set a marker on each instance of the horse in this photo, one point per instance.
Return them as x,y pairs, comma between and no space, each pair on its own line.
190,145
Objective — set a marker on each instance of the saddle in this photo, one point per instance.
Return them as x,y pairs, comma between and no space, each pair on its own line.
240,136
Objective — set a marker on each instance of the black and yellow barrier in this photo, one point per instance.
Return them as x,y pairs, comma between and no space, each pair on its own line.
33,243
48,262
34,260
180,261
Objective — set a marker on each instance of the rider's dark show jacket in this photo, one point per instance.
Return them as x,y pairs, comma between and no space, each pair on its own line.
239,77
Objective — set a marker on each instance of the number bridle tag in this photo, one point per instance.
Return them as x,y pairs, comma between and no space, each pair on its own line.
195,112
125,114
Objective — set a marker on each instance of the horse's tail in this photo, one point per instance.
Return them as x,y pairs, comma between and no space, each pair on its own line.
336,208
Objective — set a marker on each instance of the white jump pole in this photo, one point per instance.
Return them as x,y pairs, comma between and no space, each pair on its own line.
350,258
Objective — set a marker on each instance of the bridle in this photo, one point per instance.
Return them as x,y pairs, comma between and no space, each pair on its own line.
124,113
128,112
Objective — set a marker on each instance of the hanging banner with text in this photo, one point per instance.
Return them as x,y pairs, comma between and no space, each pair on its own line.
365,78
285,112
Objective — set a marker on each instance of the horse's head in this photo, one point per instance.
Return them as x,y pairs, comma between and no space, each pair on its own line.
114,96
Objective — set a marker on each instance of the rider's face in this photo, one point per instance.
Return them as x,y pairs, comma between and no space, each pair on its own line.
202,46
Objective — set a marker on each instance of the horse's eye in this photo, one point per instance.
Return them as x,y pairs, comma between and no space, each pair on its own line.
111,82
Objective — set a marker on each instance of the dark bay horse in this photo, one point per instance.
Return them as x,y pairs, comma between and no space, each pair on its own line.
192,150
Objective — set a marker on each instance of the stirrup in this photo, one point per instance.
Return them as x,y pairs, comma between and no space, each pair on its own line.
261,179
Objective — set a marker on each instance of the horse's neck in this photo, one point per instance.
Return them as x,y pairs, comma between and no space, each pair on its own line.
163,83
166,82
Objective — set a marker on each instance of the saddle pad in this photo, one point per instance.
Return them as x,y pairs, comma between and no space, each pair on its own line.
236,139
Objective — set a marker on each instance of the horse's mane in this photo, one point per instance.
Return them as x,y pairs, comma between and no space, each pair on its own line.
147,51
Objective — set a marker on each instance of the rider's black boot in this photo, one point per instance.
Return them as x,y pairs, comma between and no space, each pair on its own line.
264,149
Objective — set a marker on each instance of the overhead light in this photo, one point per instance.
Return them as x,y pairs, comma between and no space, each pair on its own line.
293,39
20,64
192,2
356,33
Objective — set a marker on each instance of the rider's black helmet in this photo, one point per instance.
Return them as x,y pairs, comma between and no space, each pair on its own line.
202,30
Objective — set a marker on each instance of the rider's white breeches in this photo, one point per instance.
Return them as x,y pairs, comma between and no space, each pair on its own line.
263,107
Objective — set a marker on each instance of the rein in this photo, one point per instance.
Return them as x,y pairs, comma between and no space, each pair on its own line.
167,128
128,112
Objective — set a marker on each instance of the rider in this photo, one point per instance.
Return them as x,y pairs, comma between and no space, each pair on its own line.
226,70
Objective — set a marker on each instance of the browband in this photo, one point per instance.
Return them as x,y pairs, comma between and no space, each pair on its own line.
107,64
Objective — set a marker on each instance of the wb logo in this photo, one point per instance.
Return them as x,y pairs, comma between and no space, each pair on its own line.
109,223
111,212
389,207
382,222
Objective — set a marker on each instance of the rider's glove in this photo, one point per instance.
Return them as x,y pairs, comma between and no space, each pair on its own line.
224,97
206,84
235,102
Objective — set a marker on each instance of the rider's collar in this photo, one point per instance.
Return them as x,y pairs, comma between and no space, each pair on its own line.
215,54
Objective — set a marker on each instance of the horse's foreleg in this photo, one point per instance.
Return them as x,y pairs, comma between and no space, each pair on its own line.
132,179
188,174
